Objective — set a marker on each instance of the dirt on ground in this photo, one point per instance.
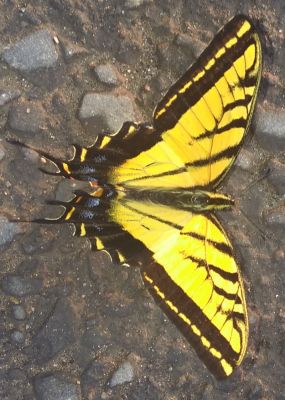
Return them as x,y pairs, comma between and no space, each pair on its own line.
72,324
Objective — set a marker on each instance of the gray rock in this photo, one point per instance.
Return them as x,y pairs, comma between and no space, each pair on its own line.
82,356
17,337
92,337
255,392
174,58
27,117
56,334
106,111
275,216
134,3
19,312
35,243
124,374
32,52
107,73
93,378
15,285
52,387
208,392
65,191
190,46
71,50
270,128
129,53
245,160
184,40
29,16
7,231
16,374
276,175
98,259
197,47
8,95
2,152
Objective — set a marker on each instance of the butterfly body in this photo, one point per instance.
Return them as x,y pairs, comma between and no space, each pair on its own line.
191,200
154,195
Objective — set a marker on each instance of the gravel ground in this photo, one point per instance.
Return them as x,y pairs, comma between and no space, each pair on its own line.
72,325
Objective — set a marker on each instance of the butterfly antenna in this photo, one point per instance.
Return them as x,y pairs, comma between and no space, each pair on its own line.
36,220
263,234
264,175
27,221
19,221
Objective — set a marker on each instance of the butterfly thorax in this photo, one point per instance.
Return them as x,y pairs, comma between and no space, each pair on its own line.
181,198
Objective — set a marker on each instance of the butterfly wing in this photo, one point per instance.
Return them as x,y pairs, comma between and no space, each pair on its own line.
204,117
187,262
196,282
194,278
198,127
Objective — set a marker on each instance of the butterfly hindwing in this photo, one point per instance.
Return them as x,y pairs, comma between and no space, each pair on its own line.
196,282
193,276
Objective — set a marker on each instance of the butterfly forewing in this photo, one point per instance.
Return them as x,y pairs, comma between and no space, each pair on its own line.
204,117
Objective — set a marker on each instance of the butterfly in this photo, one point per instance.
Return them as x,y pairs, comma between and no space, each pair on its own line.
153,195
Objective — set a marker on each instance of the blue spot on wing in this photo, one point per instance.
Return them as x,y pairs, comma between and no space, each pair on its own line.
92,202
86,214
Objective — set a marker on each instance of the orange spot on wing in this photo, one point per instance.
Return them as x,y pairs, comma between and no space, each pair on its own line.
98,192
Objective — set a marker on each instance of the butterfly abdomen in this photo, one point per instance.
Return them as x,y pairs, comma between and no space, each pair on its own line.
179,198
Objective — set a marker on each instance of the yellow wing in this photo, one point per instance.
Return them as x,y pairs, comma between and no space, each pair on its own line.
194,277
197,129
203,118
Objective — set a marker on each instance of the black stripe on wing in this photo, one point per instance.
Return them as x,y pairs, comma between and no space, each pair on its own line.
181,102
155,277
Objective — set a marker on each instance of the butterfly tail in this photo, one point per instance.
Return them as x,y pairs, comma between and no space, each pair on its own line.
63,167
89,212
72,169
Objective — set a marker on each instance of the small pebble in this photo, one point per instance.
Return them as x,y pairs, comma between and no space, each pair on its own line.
245,160
15,285
93,337
276,175
52,387
57,333
109,111
2,152
17,337
8,95
134,3
107,74
34,51
71,50
184,40
124,374
270,128
7,231
16,374
28,117
275,216
19,312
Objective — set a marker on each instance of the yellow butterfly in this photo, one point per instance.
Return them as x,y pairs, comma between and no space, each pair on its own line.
154,195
